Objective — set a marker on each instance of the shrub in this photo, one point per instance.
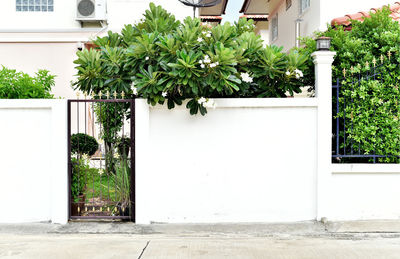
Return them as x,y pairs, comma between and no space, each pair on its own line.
79,167
18,85
164,60
83,144
370,105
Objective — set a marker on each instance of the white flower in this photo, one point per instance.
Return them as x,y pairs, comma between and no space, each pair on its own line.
134,89
217,63
202,66
201,61
164,94
147,58
288,73
246,77
201,100
85,157
199,39
213,65
206,103
207,59
208,35
101,171
116,155
298,73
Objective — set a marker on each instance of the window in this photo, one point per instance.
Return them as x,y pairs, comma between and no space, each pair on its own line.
288,4
274,26
304,5
35,5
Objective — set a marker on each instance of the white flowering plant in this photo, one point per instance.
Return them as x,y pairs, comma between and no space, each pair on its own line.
165,60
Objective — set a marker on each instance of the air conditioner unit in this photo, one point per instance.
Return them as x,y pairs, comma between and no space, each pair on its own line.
91,10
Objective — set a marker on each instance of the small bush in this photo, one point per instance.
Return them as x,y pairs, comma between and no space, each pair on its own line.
83,144
79,167
19,85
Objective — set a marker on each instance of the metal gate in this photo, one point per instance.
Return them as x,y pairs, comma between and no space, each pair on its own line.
101,158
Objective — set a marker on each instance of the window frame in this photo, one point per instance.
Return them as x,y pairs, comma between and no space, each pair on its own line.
274,21
34,6
288,4
306,8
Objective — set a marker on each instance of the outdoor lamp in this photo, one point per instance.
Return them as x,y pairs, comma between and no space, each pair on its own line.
323,43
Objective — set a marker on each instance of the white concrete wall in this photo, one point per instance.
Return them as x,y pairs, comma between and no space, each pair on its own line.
33,155
364,191
249,160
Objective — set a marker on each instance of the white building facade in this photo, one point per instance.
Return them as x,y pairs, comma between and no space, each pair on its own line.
313,15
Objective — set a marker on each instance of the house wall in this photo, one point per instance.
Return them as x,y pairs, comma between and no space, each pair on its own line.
36,189
262,29
119,12
242,162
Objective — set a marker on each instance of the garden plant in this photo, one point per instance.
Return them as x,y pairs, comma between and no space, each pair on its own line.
165,60
19,85
367,66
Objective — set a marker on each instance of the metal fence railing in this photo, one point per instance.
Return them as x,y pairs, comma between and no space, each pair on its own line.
356,140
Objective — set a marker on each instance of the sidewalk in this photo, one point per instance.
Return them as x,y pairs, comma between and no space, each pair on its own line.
126,240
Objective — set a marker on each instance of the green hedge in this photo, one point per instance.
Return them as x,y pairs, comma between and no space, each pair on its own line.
19,85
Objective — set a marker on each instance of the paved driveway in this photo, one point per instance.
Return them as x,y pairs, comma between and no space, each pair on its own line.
193,241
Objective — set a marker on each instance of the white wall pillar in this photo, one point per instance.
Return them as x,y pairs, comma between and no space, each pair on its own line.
59,162
323,88
143,186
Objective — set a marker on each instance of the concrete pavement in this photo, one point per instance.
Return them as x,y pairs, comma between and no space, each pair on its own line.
126,240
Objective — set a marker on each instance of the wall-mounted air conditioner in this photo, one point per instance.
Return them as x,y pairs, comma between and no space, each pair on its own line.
91,10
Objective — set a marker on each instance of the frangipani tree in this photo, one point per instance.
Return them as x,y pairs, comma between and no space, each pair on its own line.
165,60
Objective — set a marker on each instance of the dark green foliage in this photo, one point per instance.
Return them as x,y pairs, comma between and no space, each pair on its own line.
167,60
83,144
18,85
123,146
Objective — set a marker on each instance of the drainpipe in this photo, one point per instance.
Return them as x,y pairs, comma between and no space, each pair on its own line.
297,32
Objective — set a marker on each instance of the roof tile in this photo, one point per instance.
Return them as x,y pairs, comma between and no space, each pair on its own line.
346,20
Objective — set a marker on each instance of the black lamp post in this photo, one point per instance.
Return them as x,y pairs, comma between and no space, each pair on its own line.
323,43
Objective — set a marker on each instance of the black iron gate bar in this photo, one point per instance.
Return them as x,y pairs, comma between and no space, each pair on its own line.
131,102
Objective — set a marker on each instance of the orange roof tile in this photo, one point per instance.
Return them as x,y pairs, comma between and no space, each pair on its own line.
346,20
